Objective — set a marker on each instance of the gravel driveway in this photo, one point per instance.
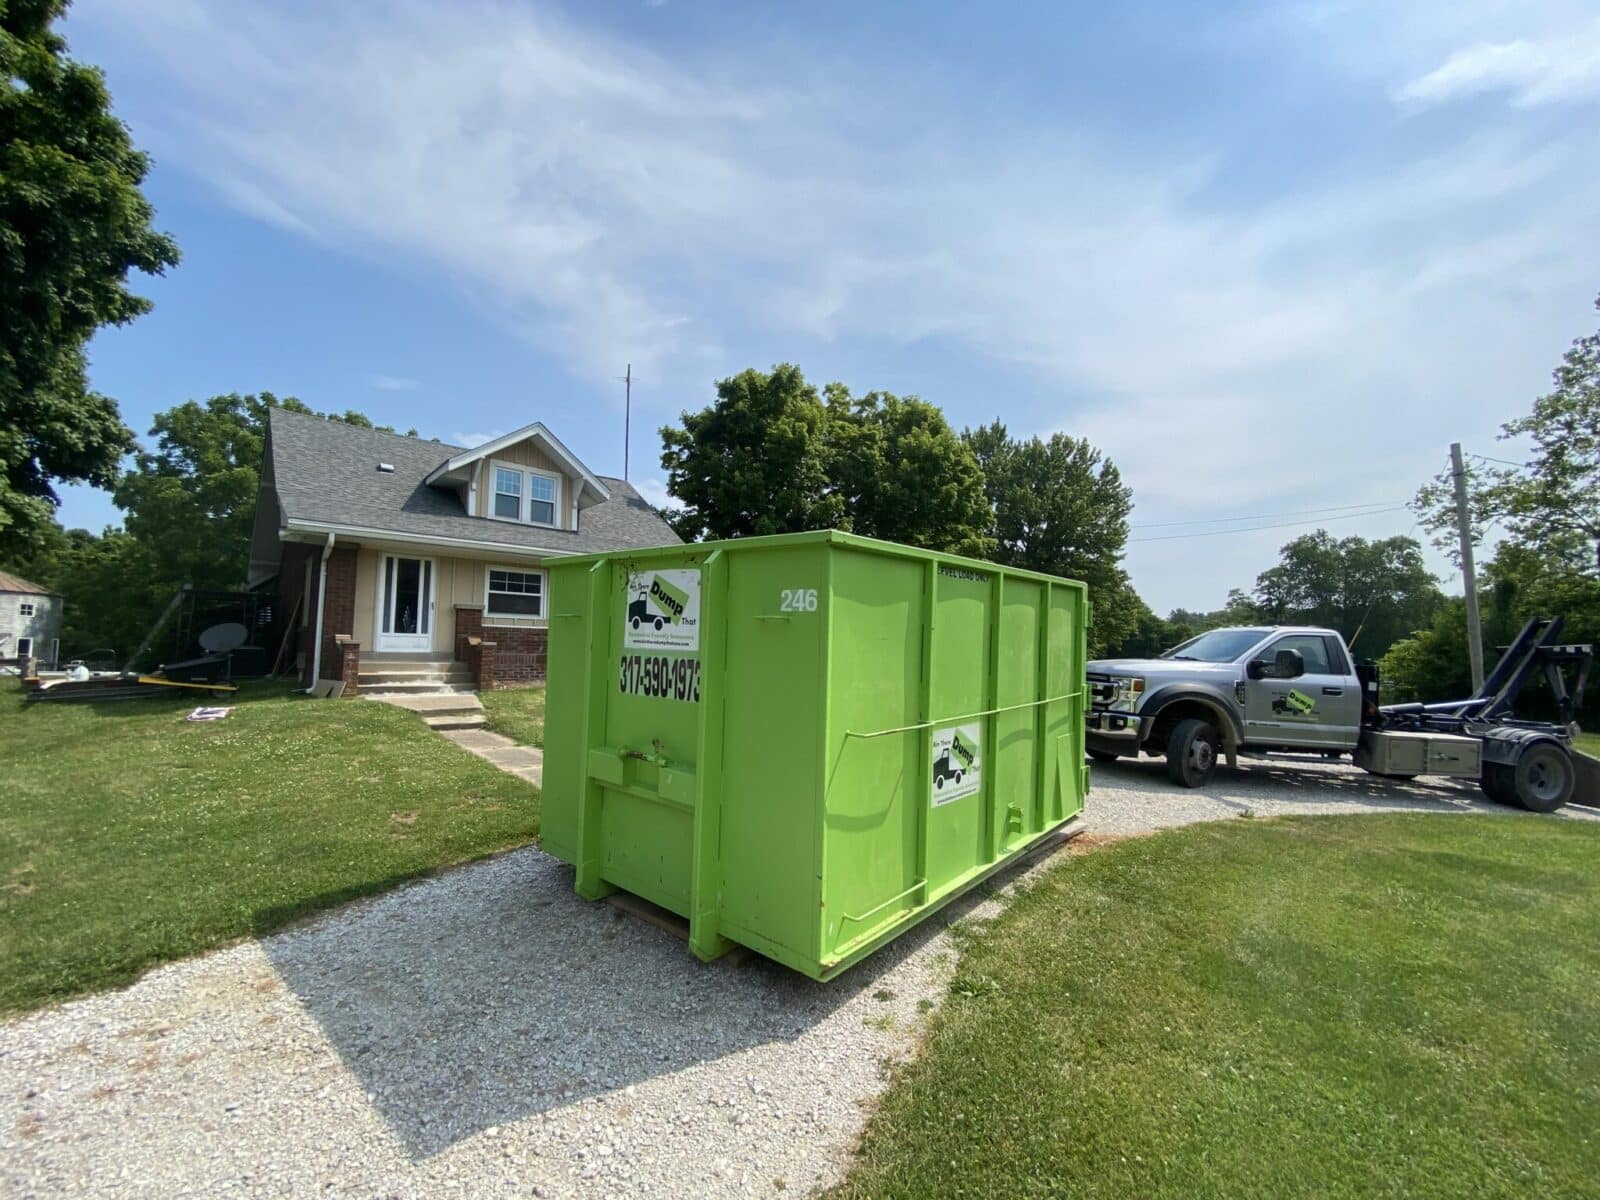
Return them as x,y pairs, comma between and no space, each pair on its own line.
487,1033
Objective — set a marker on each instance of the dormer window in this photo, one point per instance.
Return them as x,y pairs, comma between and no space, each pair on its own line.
541,499
525,494
508,493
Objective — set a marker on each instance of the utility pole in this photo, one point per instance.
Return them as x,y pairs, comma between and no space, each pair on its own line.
627,419
1469,573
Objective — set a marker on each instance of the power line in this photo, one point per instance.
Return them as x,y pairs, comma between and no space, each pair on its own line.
1173,537
1303,512
1505,462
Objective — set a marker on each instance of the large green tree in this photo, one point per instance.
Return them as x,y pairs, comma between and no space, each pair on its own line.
1058,506
190,501
1520,582
188,506
73,224
758,461
1373,592
905,476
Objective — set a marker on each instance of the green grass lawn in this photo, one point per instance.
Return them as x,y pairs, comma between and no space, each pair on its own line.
516,712
129,836
1589,743
1398,1005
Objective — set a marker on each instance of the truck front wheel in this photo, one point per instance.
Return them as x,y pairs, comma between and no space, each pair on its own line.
1192,752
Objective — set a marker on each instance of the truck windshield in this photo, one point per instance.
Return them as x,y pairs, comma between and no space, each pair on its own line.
1217,646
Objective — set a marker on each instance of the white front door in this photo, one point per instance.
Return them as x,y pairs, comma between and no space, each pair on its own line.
405,603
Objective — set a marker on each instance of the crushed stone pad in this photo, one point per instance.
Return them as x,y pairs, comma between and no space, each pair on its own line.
482,1033
1135,795
488,1033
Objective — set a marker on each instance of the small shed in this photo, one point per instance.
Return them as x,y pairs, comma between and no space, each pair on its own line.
30,621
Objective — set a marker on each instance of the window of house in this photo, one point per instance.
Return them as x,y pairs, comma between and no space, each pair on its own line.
514,593
508,494
541,499
25,609
524,494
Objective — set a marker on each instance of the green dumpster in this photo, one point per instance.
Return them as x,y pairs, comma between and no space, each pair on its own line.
807,743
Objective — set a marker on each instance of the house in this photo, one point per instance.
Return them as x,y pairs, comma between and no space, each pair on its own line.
30,621
397,552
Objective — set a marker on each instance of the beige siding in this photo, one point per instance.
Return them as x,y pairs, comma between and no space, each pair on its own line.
366,596
526,454
456,581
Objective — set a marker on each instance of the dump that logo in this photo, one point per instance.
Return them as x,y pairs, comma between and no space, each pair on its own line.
1294,703
663,611
957,767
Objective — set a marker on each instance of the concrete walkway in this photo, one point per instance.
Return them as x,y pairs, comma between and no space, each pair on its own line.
525,762
460,718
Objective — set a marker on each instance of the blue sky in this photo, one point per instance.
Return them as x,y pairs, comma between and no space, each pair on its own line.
1270,258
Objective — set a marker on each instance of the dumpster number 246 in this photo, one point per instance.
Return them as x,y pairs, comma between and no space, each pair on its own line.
798,600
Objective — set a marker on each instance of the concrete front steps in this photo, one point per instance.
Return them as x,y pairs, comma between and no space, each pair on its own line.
414,677
449,712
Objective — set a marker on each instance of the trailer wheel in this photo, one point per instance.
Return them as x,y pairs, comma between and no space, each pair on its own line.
1543,777
1192,752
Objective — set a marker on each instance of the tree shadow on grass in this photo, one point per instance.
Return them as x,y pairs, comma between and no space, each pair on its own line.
493,994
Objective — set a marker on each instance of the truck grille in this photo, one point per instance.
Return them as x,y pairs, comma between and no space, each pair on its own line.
1101,690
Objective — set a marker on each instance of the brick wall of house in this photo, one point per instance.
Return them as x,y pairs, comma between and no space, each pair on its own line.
341,660
469,624
499,655
519,655
338,606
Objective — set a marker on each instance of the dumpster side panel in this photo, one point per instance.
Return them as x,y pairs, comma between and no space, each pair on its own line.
955,787
871,819
563,727
1065,780
777,612
643,753
1021,681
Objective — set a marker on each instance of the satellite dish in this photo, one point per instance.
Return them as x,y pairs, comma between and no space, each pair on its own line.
219,639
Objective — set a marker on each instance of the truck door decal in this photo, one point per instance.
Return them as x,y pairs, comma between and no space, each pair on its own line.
1294,703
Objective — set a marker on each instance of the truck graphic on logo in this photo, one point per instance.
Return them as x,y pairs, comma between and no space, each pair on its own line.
1294,703
659,604
953,763
955,769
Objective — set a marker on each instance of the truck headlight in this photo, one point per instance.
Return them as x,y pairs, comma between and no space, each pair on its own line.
1128,690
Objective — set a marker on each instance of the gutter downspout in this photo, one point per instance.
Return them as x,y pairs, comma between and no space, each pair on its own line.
322,592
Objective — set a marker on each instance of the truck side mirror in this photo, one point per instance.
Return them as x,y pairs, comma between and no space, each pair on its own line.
1288,664
1256,668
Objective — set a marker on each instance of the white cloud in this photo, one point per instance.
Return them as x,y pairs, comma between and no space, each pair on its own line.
1562,67
1326,337
394,383
469,440
654,490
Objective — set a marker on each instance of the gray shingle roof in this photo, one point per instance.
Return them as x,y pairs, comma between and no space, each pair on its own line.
327,472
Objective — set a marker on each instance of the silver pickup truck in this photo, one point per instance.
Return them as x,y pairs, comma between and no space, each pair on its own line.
1296,689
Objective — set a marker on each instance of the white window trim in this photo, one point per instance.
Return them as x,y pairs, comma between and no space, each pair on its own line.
26,608
525,516
512,620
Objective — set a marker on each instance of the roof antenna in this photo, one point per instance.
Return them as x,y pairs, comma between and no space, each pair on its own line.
627,419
